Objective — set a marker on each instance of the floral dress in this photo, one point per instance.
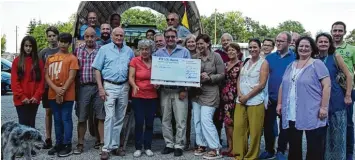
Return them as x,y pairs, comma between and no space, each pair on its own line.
229,93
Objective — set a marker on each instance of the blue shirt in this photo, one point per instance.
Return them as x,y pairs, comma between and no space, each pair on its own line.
113,62
84,27
101,42
277,67
182,31
178,52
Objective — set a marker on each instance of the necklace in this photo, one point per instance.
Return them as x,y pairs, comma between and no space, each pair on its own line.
296,74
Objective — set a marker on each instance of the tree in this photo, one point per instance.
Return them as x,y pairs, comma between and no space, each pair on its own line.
137,16
3,43
32,26
291,26
351,37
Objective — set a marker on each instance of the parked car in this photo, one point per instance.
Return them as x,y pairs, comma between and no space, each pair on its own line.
6,65
5,82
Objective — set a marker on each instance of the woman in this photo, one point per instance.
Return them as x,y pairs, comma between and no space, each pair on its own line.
27,82
205,103
336,131
229,92
144,96
190,44
249,110
303,101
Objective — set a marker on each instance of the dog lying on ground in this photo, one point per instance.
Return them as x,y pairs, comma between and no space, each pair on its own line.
17,138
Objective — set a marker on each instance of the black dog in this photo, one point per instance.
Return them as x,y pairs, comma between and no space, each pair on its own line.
17,138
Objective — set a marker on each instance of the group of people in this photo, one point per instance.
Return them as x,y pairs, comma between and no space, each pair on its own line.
307,83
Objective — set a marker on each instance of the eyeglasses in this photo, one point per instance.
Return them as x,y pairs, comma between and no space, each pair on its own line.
167,37
172,19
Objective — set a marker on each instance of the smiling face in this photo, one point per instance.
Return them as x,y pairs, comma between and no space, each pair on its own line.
170,38
191,44
304,48
323,44
267,47
159,41
90,37
172,20
225,40
117,36
232,53
27,47
145,52
338,32
105,31
202,46
92,19
254,49
281,42
115,21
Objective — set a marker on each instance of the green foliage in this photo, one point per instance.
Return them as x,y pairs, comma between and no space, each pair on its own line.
351,37
3,43
137,16
292,26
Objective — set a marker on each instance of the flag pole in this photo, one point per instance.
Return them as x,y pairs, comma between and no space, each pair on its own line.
215,26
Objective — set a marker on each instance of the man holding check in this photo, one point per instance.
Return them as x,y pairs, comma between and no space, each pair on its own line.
173,99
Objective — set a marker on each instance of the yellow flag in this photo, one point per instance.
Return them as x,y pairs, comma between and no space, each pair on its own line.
185,21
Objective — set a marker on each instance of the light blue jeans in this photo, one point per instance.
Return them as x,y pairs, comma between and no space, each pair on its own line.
115,108
206,132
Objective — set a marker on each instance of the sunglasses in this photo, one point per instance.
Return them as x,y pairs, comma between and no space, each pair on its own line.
172,19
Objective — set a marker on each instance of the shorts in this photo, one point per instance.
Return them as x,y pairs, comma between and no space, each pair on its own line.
89,98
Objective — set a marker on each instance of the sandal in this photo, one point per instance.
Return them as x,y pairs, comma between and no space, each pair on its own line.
200,151
213,154
97,145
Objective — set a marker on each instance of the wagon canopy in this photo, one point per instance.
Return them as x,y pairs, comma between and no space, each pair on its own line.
104,9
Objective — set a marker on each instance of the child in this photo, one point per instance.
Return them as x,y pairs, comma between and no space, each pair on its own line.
60,73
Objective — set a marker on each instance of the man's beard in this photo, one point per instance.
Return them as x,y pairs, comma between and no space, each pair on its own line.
105,37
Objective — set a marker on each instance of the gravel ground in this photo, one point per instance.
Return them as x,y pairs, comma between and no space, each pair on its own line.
8,113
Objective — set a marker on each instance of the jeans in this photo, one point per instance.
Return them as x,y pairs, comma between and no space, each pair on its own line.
350,127
206,132
115,109
27,114
144,110
63,123
269,127
315,143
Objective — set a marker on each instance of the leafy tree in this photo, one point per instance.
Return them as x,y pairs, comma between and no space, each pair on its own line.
351,37
32,26
137,16
3,44
291,26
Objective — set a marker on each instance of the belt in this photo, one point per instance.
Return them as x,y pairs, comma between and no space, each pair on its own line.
89,84
116,83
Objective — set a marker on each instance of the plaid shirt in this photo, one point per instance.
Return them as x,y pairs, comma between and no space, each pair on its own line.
86,72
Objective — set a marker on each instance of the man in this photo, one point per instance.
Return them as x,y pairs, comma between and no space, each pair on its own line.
295,37
278,63
91,22
105,34
173,21
150,34
348,53
52,38
174,100
88,93
268,46
226,39
159,41
111,65
115,20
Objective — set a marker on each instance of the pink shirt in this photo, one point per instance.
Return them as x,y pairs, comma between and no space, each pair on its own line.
142,79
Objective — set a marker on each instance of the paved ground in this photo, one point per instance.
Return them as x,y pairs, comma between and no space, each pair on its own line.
8,113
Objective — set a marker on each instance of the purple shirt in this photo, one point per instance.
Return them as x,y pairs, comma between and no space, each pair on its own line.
309,92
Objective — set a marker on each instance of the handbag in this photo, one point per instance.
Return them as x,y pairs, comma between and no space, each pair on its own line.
340,78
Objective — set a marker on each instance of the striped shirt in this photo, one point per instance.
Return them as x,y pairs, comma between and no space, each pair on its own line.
86,72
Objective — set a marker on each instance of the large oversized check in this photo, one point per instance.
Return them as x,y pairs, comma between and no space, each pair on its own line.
176,71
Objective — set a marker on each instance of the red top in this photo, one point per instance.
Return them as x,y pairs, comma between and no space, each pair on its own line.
27,87
142,79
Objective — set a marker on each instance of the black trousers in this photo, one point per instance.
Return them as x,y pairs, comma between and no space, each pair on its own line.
283,139
27,114
315,143
269,122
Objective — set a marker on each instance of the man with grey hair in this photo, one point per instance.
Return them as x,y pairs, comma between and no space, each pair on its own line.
173,20
159,41
105,34
111,66
173,99
226,39
278,62
295,37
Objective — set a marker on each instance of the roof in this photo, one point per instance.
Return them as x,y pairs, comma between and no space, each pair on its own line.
104,9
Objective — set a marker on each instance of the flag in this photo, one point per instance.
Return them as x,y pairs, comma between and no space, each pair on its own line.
184,20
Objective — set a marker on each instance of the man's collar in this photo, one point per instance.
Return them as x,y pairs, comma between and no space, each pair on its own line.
343,45
178,47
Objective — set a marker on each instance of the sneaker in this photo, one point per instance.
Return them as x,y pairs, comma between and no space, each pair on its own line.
167,150
66,151
178,152
280,156
48,144
213,154
187,147
19,155
55,149
266,155
137,153
79,149
149,153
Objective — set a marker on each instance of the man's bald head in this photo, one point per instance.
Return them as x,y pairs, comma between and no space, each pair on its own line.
90,37
117,36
